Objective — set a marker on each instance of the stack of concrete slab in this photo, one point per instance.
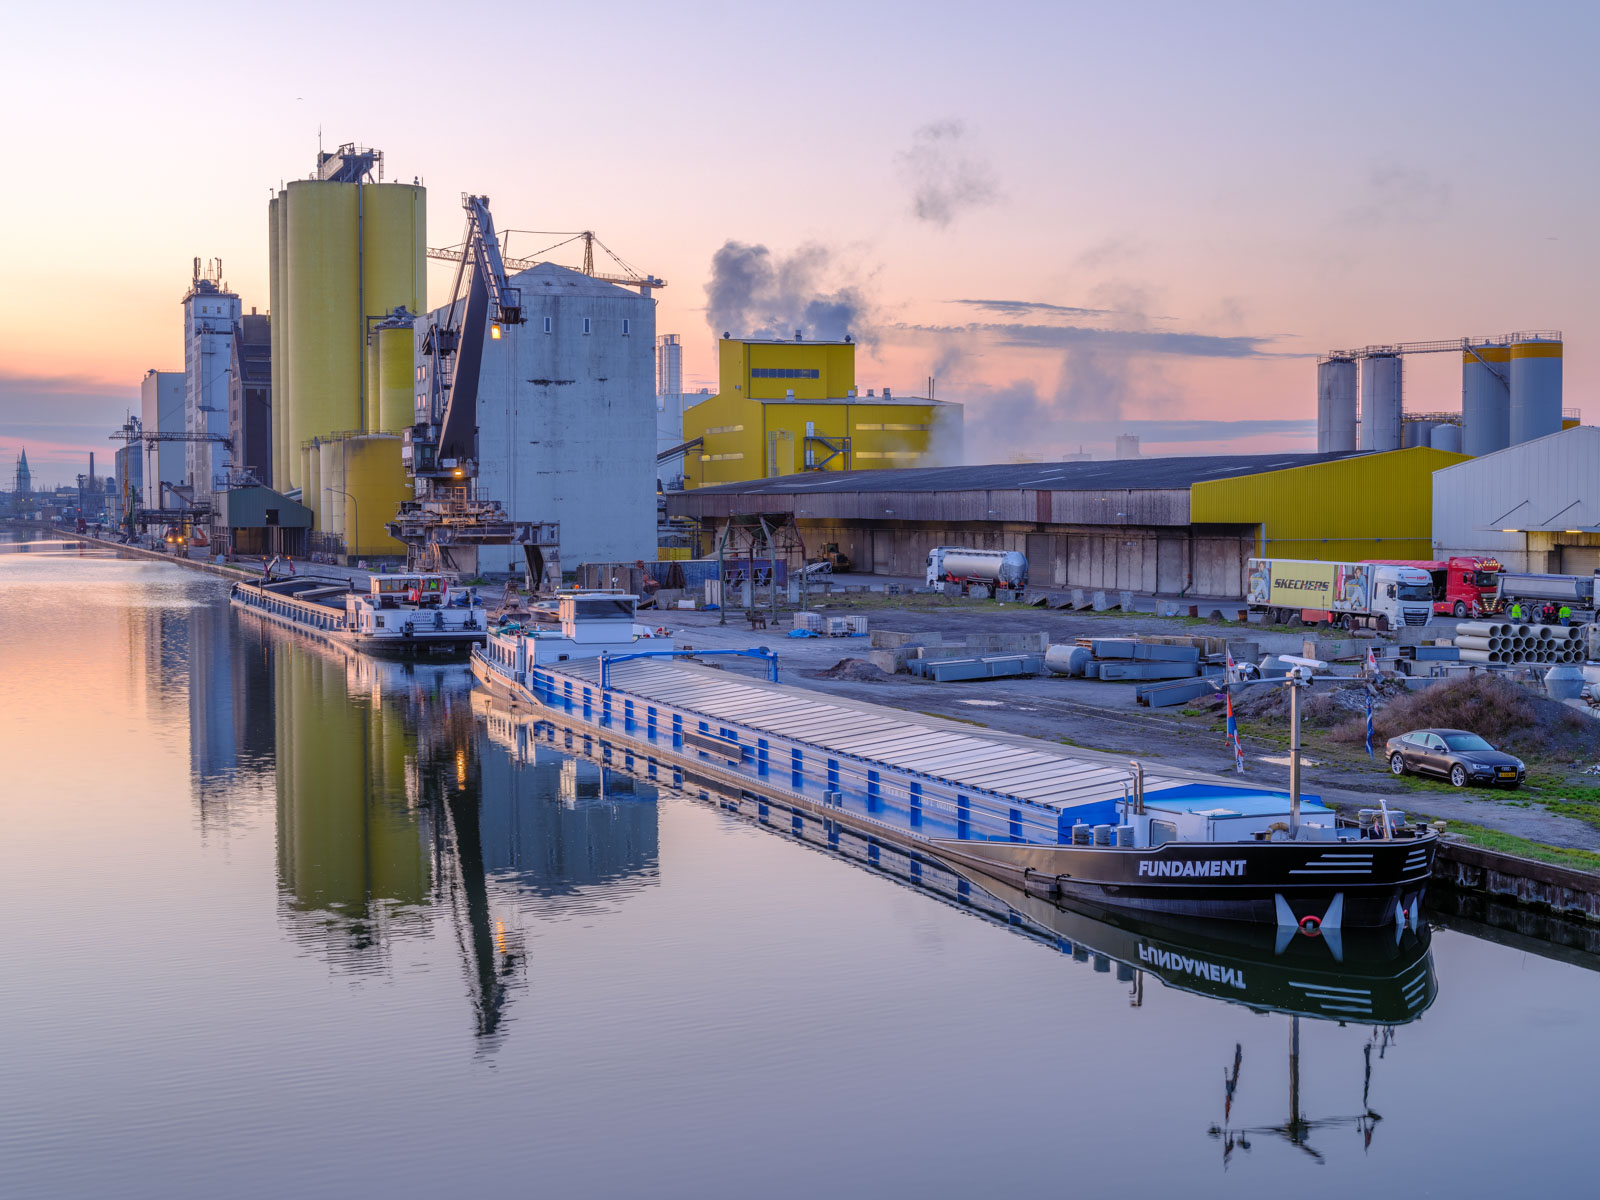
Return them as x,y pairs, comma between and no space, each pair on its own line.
1178,691
950,670
1124,658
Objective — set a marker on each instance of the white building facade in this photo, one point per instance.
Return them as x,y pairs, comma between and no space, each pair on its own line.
210,313
567,417
161,410
1534,506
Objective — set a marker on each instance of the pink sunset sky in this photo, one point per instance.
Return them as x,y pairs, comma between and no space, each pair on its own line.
1084,219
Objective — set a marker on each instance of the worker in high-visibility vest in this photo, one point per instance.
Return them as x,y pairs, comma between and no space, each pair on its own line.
1516,611
1564,614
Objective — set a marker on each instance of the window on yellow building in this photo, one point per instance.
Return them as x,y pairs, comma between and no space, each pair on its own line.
722,457
893,428
785,373
724,429
894,454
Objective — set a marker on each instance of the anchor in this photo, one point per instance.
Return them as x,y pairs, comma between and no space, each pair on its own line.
1327,926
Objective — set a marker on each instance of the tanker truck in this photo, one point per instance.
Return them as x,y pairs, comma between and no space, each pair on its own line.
1343,594
1577,592
952,568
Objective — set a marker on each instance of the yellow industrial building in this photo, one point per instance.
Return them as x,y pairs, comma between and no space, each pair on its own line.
1345,509
785,407
347,256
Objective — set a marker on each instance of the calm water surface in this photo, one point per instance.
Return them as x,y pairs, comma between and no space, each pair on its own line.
277,921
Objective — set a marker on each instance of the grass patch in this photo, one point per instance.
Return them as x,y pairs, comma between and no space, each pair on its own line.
1510,843
946,717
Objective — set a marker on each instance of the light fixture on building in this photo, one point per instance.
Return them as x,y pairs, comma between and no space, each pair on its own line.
494,331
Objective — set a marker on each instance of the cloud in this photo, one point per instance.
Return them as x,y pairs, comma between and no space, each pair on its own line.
755,293
1109,252
1024,308
944,177
1140,341
1397,195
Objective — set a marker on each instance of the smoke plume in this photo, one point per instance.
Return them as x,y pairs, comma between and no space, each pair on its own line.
755,293
945,179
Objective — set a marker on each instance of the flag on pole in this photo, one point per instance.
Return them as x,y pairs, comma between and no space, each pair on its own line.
1372,671
1233,726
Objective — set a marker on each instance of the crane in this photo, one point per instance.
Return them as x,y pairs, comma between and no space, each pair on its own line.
629,277
447,522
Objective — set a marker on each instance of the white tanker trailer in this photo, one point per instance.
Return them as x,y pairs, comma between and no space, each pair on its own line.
952,568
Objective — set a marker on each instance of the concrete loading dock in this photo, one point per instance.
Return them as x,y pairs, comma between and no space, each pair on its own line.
1166,526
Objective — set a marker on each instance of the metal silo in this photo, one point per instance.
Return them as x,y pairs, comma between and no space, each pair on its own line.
1381,393
393,248
1535,385
275,313
391,376
1336,405
1416,433
1446,437
325,330
331,488
1485,399
376,483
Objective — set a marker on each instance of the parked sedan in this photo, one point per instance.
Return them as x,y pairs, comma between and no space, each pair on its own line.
1456,755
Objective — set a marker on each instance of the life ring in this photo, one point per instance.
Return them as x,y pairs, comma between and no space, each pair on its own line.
414,596
1311,925
661,631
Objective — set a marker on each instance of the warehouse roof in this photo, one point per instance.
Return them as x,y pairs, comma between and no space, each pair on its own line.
1134,474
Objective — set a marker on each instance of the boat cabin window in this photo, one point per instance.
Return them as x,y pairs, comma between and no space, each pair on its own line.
601,609
1162,832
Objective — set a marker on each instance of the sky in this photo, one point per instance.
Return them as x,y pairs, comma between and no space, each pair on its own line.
1081,219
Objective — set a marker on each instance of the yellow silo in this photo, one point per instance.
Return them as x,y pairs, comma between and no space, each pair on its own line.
331,489
282,381
391,377
275,315
325,328
394,225
376,482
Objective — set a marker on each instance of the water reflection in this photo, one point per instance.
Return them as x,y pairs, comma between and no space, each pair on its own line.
399,815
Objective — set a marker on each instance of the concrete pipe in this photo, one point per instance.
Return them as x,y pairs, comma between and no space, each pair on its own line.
1481,656
1480,629
1524,631
1466,642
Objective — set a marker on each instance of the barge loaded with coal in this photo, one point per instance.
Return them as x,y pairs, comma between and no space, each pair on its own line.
1061,823
397,614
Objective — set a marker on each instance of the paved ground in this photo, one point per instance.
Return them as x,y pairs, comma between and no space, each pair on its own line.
1104,716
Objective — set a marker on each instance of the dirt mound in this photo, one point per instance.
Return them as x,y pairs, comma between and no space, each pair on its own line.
1516,719
1329,703
857,669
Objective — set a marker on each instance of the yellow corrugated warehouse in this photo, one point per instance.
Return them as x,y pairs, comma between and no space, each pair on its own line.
785,407
1365,506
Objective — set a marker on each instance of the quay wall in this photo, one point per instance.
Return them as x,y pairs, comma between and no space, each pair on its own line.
1522,881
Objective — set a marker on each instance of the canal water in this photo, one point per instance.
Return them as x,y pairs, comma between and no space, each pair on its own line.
280,921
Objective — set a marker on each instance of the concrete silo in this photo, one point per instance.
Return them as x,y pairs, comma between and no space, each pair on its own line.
375,483
1336,405
1416,433
1381,396
1535,385
1485,399
391,375
280,473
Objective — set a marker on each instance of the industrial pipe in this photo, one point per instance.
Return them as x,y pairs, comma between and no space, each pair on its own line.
1481,629
1482,656
1467,642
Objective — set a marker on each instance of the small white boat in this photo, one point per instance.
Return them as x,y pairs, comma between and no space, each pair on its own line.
398,614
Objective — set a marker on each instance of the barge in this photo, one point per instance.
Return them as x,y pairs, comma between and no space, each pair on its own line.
397,614
1070,825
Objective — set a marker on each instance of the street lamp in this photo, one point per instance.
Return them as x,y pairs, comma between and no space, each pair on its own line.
355,509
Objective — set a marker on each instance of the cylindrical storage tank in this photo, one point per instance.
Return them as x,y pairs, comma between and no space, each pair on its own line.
1336,405
331,488
302,464
1381,394
1446,436
311,489
1535,386
393,366
1416,433
1485,399
376,481
325,328
275,334
1067,660
394,261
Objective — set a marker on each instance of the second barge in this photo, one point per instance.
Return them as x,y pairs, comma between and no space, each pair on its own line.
397,615
1075,825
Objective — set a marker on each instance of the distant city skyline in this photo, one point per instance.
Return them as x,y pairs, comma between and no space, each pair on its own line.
1082,220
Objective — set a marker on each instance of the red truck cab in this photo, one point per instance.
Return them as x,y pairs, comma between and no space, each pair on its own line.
1462,586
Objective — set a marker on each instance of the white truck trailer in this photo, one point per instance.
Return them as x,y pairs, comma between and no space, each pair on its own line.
952,568
1345,594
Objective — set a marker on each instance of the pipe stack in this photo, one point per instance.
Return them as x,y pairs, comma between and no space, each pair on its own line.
1512,643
